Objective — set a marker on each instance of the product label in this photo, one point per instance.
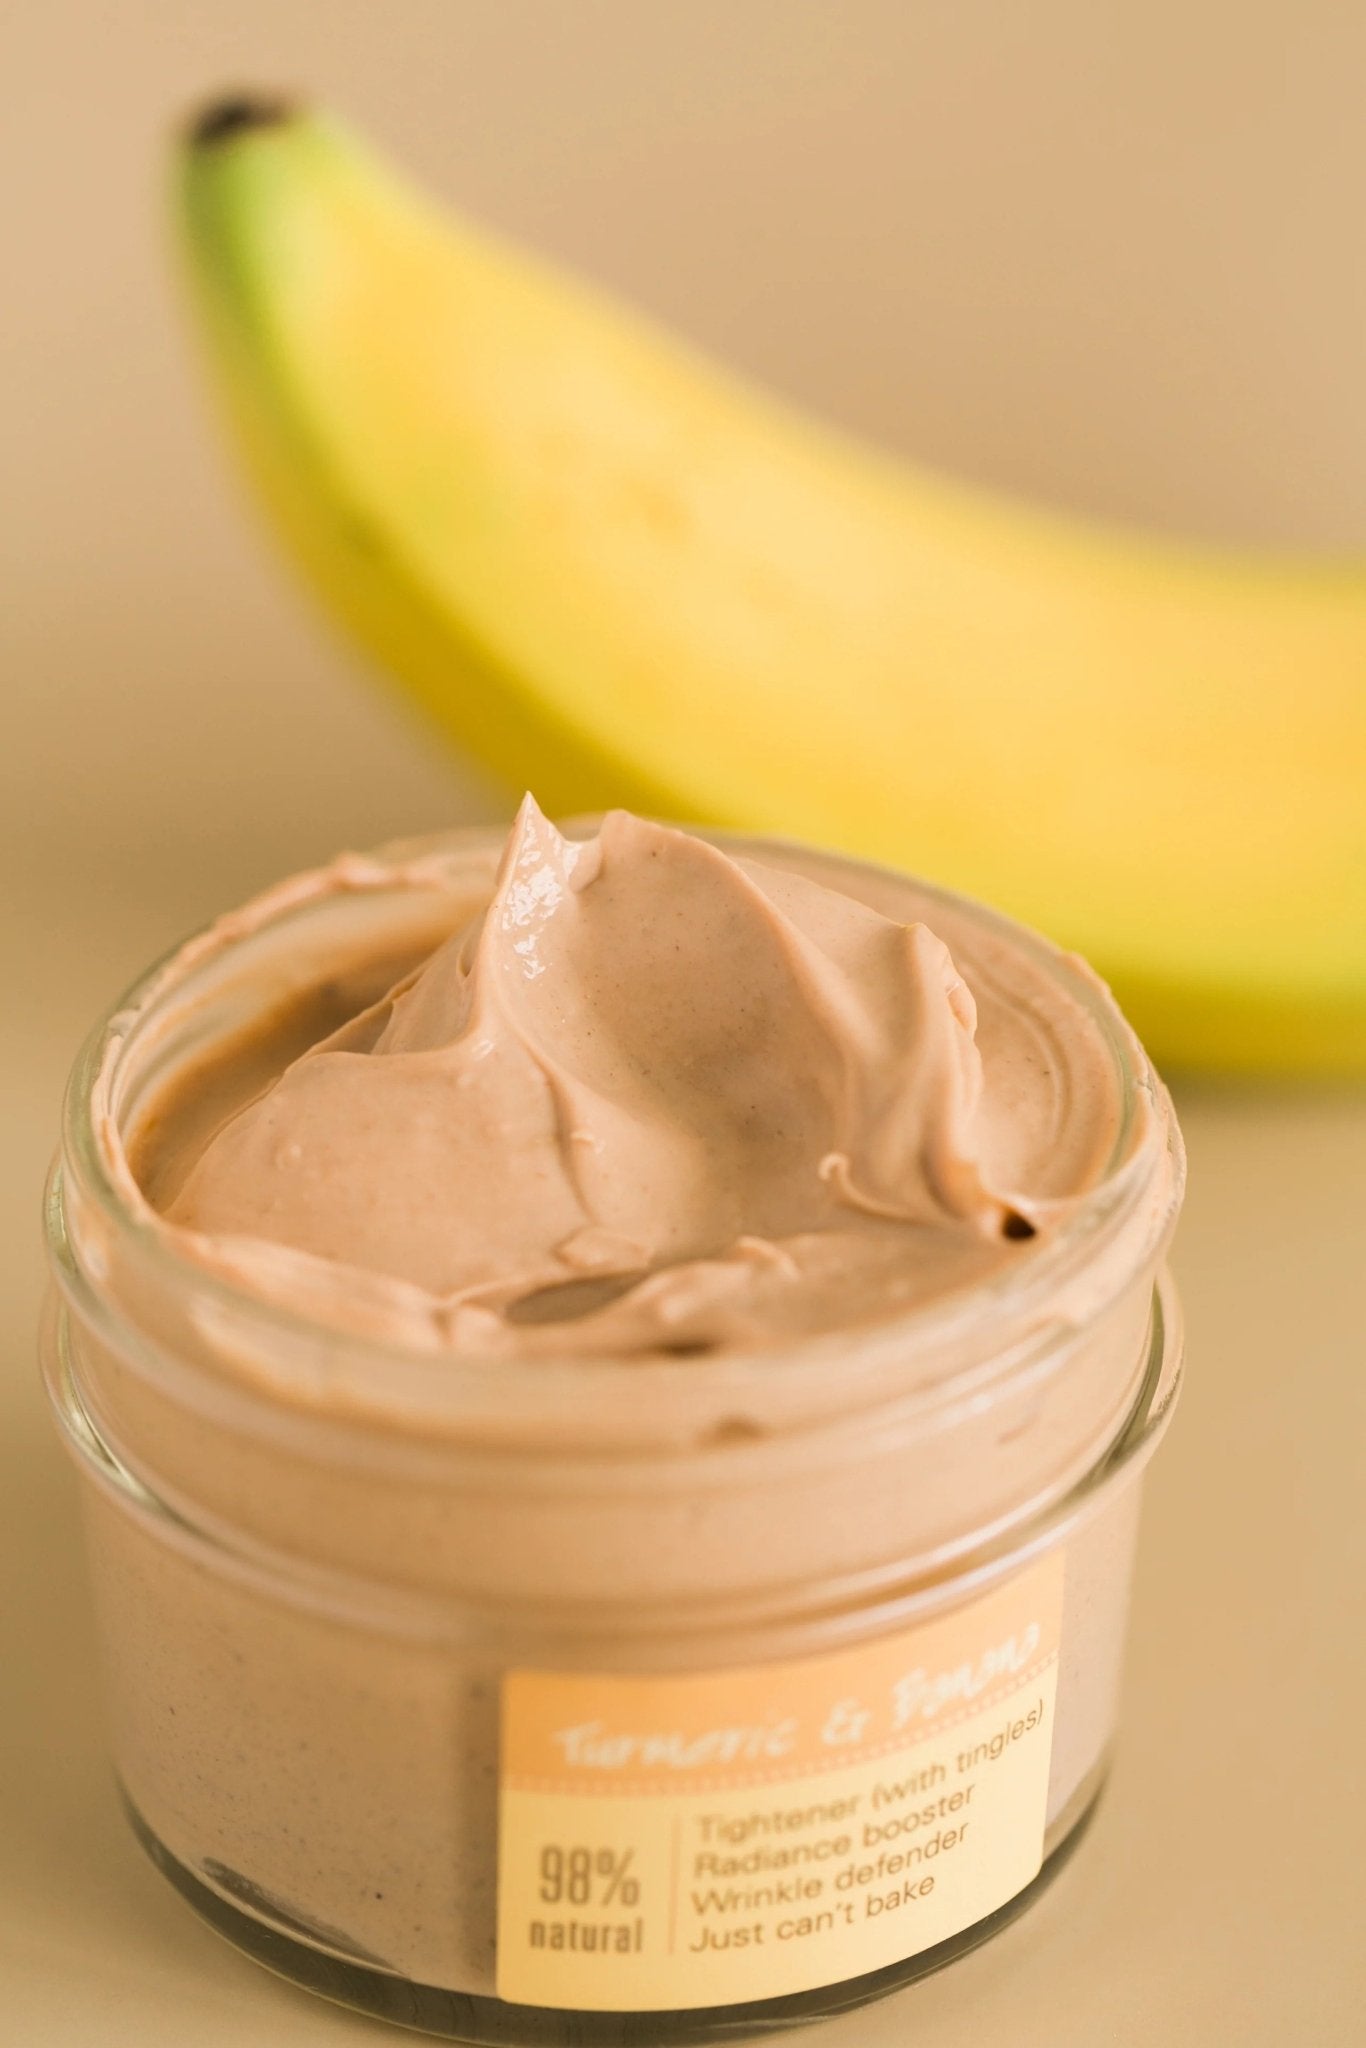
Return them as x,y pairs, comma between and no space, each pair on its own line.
707,1838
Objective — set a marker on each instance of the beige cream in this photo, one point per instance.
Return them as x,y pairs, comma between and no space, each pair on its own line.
652,1096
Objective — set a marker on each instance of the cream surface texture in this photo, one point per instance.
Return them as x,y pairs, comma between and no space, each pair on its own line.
653,1098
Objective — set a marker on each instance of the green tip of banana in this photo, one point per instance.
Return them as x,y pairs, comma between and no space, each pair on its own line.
612,570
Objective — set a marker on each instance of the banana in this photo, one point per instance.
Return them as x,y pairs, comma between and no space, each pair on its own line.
620,575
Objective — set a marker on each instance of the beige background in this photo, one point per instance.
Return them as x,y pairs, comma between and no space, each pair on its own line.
1111,255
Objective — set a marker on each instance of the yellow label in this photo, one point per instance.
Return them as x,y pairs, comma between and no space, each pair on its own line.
708,1838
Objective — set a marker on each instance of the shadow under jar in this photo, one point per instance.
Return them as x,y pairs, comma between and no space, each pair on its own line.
382,1629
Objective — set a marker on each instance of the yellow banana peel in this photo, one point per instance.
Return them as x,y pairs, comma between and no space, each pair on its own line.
618,574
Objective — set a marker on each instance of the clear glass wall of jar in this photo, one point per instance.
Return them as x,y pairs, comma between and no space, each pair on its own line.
315,1558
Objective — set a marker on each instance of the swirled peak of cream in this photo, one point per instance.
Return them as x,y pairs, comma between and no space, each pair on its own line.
652,1098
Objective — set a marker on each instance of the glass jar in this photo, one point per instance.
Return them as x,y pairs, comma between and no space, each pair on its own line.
317,1558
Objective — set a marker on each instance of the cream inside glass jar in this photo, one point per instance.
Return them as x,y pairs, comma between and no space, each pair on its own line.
325,1563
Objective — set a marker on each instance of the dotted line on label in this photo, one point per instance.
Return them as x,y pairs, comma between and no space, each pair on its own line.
651,1788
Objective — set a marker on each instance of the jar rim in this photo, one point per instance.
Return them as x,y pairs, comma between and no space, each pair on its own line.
392,1377
901,1590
